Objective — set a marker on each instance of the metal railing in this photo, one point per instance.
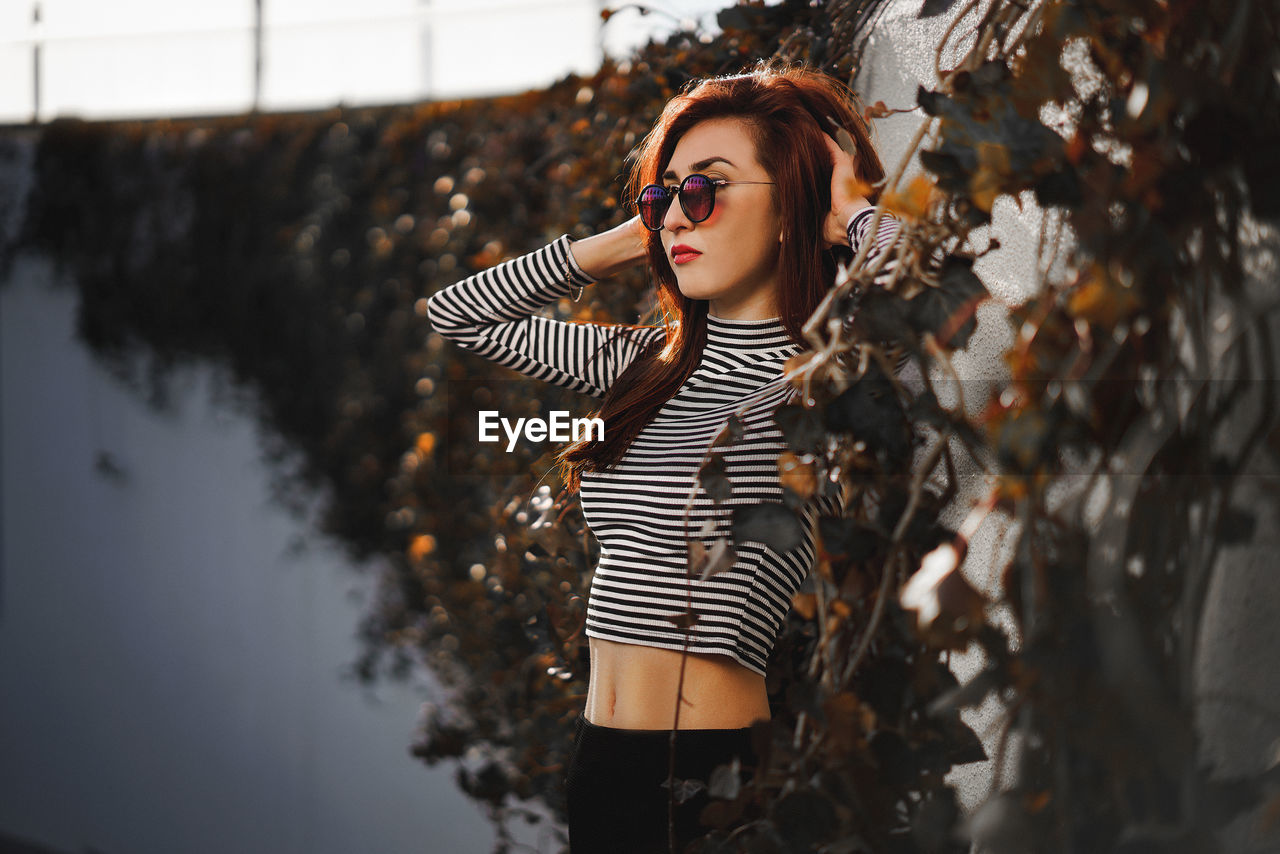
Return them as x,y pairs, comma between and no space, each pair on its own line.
429,20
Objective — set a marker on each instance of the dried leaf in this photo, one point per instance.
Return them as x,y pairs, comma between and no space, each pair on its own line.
878,110
720,558
697,556
797,476
732,430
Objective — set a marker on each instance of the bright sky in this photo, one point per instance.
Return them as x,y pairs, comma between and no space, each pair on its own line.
135,58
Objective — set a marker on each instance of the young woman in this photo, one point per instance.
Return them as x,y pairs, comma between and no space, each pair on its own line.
746,205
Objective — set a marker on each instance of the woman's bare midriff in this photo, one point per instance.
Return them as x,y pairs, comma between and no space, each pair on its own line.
634,687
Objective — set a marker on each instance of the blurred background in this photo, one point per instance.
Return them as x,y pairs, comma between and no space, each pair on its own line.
158,58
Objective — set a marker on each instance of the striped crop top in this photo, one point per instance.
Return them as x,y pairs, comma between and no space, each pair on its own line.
641,591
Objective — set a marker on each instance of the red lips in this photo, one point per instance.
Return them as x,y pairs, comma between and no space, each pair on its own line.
681,254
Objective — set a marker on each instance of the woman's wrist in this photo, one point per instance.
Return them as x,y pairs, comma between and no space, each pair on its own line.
602,255
851,210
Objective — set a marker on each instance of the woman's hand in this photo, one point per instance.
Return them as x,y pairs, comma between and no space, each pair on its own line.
601,255
846,200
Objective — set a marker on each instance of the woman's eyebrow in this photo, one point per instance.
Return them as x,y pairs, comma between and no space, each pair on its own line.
699,166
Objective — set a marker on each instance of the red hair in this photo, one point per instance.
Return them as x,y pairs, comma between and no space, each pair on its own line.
788,111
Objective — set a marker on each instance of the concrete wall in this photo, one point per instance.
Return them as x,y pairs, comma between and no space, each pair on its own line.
172,642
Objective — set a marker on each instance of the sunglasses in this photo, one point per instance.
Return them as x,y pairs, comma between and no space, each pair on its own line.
697,198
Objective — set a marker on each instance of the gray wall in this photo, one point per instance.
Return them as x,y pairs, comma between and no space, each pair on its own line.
171,661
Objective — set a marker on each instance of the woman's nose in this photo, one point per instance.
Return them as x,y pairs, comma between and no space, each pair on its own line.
675,217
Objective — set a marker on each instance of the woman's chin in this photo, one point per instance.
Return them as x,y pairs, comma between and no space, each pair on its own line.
693,291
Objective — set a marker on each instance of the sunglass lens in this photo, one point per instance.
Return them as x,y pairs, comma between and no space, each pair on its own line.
653,204
698,196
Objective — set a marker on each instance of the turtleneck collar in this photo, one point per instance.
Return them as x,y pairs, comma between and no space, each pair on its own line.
746,336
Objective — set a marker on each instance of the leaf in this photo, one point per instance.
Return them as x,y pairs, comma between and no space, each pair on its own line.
684,789
882,317
720,558
959,279
935,818
697,556
948,311
845,139
1000,825
683,620
725,780
913,202
715,479
801,427
849,538
734,18
869,411
933,8
805,604
804,817
963,744
878,110
1060,189
732,430
931,102
795,475
952,176
948,609
768,522
898,766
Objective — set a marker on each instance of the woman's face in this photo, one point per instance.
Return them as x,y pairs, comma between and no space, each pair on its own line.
731,257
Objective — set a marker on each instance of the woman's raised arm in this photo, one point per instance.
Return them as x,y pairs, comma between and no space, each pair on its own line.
494,313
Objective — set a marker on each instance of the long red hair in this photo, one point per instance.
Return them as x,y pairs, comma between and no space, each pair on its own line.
788,109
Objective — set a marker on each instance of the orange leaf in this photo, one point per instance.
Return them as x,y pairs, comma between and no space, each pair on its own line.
913,202
797,476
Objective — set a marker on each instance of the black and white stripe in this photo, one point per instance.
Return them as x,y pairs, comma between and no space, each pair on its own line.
493,313
886,233
637,510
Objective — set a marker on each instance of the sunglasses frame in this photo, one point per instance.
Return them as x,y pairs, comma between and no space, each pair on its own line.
673,194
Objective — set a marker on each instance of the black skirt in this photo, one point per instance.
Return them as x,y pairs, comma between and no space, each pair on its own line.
617,800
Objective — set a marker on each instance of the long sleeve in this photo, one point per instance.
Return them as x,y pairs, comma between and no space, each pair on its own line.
859,229
493,314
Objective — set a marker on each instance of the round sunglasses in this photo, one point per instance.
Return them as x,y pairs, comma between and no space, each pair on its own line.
697,198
